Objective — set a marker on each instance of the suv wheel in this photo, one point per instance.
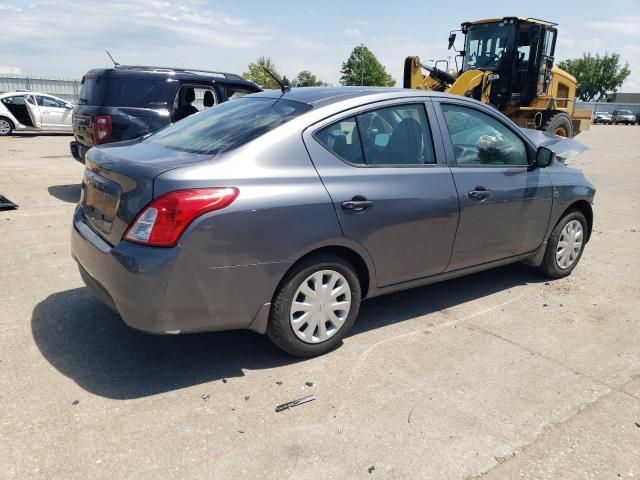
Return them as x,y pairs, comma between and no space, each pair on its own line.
315,306
565,246
6,127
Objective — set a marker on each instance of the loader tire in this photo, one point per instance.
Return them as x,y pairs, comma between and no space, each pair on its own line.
559,124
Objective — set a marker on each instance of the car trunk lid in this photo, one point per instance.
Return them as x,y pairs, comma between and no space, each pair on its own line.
118,183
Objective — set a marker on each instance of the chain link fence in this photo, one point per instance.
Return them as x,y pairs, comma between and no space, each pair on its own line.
64,88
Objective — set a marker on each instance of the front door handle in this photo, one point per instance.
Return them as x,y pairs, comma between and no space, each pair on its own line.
357,204
479,193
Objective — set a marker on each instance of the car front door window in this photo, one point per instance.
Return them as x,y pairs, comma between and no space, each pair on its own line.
480,140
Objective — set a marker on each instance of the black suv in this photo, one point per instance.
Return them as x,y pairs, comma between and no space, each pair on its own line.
128,102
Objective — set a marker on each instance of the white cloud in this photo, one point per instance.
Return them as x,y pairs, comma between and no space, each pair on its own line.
123,22
620,25
305,44
352,32
194,33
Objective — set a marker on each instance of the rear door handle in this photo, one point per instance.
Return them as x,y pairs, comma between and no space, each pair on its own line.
479,193
357,204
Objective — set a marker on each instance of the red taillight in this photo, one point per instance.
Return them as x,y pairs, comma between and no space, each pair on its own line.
162,221
101,128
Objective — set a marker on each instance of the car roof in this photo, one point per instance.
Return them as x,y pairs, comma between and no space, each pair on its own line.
27,92
142,72
322,96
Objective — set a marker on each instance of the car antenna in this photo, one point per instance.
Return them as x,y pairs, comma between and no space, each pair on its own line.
115,64
283,88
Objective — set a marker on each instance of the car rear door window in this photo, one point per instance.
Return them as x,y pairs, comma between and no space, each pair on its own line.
343,139
391,136
480,140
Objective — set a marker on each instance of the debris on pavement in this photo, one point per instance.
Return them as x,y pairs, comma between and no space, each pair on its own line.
224,380
6,204
309,384
295,403
371,469
278,383
75,402
204,396
246,399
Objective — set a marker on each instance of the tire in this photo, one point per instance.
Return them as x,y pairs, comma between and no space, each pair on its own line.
559,122
282,316
6,127
551,265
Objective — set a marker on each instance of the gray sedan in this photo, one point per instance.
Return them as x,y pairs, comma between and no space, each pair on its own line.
279,213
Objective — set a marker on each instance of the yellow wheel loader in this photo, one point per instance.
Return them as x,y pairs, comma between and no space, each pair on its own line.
508,63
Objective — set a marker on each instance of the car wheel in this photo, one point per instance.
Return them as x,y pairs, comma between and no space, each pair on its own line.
565,246
315,306
6,127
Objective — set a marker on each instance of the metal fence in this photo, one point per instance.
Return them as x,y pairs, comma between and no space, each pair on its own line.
609,106
65,88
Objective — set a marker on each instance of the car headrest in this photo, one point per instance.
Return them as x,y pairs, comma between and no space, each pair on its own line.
208,100
189,95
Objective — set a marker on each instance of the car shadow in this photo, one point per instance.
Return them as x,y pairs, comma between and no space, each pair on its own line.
39,134
67,193
90,344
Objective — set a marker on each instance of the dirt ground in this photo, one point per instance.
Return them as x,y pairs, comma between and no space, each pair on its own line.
498,375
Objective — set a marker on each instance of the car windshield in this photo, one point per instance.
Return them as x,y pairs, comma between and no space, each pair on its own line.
624,112
486,43
228,126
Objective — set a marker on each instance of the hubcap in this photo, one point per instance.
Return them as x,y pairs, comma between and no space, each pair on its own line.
320,306
4,127
560,131
570,244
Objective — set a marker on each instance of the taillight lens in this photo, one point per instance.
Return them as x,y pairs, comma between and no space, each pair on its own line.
162,222
101,127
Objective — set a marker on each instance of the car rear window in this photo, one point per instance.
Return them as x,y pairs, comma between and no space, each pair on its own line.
91,90
228,126
119,92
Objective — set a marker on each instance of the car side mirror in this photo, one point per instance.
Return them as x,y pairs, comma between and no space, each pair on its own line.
544,157
68,106
452,39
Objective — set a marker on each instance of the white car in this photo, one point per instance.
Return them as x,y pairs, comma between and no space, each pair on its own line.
34,112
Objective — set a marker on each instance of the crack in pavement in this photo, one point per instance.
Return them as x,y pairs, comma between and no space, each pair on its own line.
546,429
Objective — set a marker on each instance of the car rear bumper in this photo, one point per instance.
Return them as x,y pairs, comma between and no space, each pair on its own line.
168,291
78,151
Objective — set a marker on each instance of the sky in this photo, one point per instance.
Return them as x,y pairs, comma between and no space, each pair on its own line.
65,38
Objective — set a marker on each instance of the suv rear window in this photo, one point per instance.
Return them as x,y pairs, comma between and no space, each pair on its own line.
119,92
91,90
228,126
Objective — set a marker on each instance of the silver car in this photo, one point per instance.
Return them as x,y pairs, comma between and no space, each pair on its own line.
279,213
623,116
34,112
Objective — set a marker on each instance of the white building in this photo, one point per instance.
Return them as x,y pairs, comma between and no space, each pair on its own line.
10,70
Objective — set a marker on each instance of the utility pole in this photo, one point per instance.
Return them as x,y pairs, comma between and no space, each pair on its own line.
361,66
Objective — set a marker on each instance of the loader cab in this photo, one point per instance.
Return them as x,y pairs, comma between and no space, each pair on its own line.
519,51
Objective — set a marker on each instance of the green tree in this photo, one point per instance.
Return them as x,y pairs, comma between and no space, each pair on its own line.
286,82
307,79
596,75
257,74
363,68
